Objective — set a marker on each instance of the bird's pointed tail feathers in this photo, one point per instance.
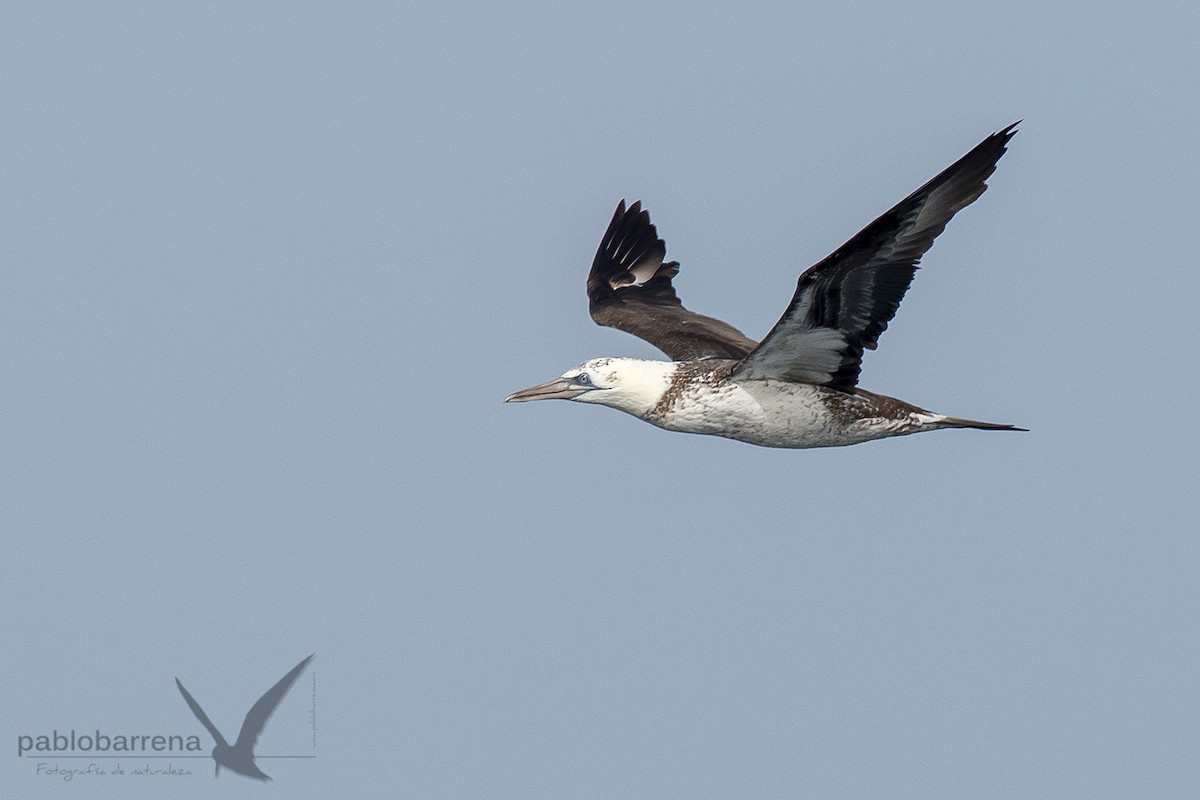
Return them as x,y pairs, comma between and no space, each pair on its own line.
959,422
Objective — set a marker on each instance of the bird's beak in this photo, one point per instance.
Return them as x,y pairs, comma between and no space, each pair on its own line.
557,389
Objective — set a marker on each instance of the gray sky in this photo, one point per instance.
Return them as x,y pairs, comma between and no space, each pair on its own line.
267,274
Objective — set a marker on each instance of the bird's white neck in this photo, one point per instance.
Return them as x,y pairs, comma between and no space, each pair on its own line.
636,385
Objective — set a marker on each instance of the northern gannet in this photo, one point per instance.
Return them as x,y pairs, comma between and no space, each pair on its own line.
798,387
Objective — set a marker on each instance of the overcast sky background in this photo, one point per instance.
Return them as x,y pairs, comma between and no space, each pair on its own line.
267,273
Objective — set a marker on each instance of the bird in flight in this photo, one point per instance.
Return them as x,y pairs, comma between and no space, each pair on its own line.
798,387
240,757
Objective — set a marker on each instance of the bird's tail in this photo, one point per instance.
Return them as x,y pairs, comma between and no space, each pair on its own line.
958,422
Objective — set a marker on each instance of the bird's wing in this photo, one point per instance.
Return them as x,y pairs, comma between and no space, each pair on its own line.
629,288
200,715
260,712
845,302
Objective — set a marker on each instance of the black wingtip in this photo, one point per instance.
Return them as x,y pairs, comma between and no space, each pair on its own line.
990,149
1005,135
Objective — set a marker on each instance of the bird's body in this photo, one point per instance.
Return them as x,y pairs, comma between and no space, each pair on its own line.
699,396
798,387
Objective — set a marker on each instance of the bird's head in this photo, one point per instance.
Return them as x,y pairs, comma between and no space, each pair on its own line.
629,384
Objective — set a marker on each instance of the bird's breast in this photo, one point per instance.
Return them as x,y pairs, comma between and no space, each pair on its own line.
772,413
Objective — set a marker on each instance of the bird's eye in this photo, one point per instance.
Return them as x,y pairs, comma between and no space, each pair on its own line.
583,379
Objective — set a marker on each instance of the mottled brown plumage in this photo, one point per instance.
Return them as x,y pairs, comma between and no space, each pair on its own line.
629,288
688,375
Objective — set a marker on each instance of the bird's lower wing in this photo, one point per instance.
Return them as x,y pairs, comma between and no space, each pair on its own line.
844,303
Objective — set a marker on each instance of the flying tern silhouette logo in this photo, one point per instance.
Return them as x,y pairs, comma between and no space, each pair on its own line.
239,757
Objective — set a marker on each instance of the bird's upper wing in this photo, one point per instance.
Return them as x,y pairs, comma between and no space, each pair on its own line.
260,712
200,715
845,302
629,288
